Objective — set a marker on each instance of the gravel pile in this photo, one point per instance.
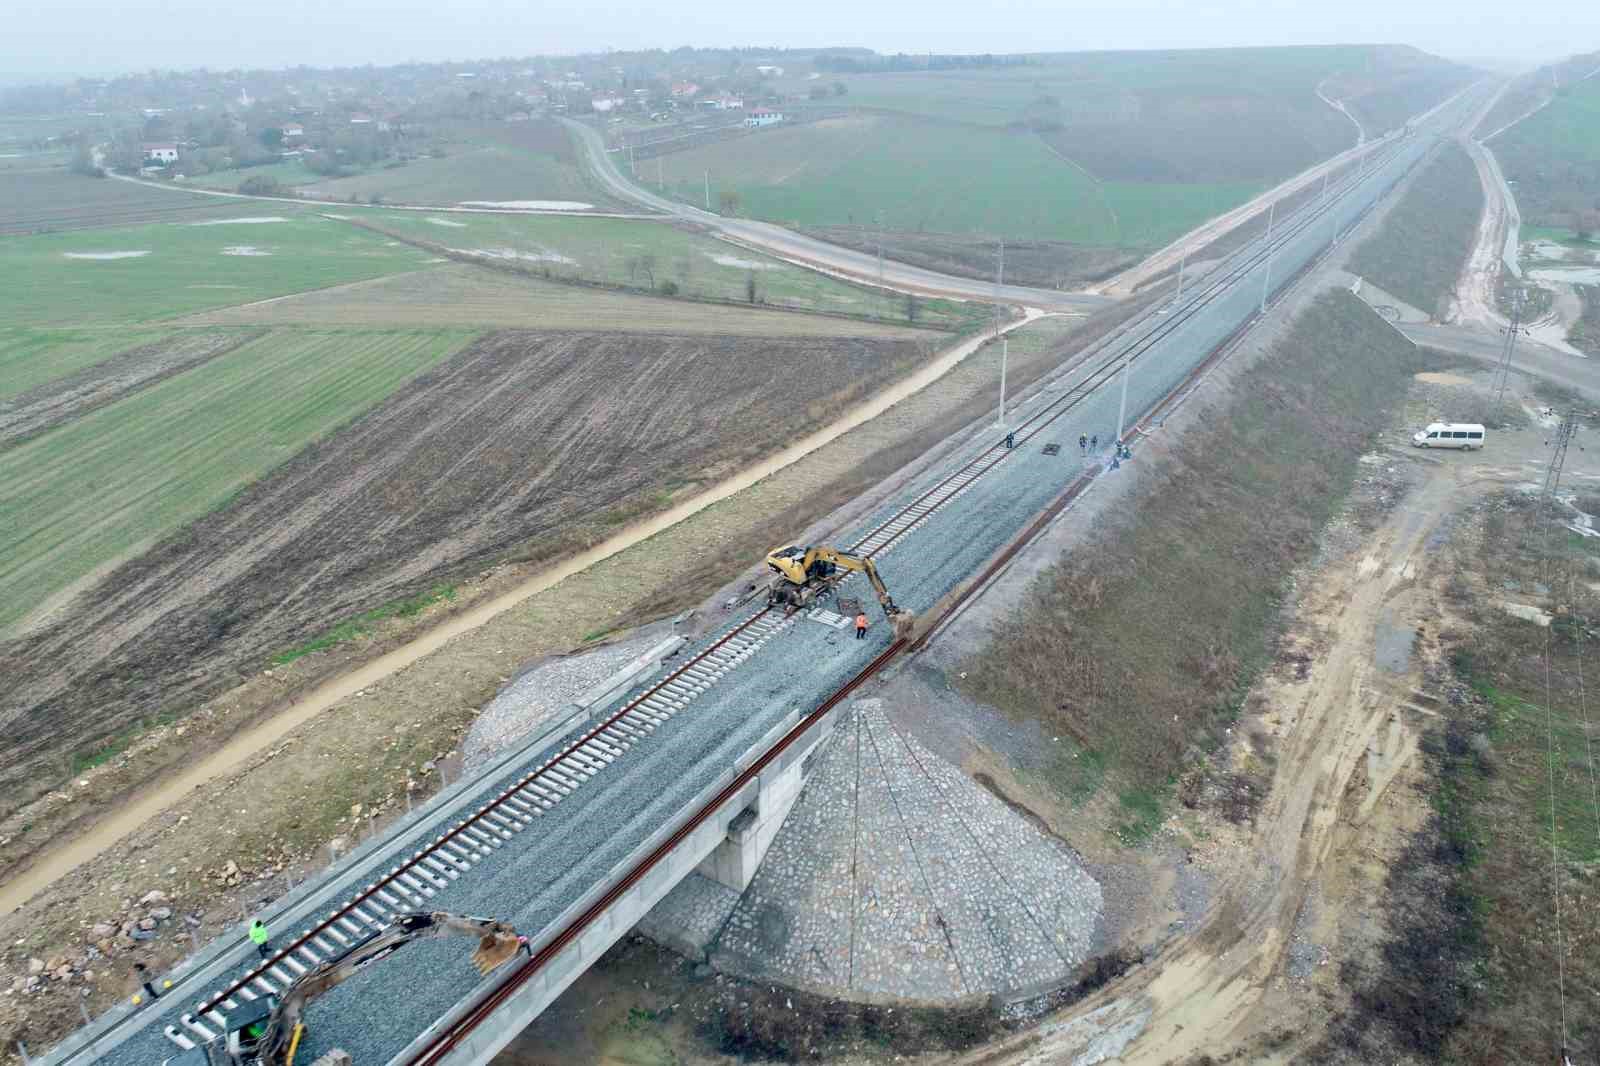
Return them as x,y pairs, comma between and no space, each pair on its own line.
539,696
960,895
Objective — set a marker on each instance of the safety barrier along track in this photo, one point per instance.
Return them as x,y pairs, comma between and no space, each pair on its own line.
882,538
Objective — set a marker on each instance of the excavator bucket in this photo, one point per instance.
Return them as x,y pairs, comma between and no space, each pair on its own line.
495,950
904,623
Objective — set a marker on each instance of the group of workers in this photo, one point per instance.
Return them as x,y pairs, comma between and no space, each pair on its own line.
1088,443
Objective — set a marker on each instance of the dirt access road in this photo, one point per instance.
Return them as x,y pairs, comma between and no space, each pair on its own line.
1345,734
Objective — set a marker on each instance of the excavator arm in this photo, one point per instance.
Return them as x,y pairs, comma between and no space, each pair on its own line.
804,574
497,943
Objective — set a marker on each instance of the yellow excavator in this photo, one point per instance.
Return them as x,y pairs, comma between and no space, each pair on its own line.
267,1031
808,574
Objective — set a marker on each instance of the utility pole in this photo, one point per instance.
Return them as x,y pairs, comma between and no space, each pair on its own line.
1177,297
708,190
1511,331
1266,275
1005,342
1325,175
879,220
661,180
1122,408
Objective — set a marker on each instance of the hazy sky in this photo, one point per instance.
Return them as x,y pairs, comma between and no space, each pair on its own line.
105,36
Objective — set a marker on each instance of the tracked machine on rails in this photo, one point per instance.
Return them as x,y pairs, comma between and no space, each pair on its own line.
806,575
268,1031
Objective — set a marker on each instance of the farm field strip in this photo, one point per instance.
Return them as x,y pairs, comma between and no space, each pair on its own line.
33,201
461,295
652,254
31,357
89,493
56,402
522,443
146,273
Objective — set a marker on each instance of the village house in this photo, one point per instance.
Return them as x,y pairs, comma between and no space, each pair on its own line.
293,131
762,116
161,154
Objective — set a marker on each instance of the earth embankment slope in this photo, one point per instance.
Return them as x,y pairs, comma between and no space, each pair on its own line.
1140,645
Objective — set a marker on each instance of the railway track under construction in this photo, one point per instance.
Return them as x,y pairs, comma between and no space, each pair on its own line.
451,854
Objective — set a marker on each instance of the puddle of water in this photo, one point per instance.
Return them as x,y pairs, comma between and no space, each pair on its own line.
1526,612
1570,275
1394,644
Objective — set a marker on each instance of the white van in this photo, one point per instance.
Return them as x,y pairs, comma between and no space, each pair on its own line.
1449,435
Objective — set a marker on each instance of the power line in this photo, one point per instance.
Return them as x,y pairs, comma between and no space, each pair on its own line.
1547,505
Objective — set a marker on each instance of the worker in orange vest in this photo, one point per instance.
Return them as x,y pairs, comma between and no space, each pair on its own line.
861,625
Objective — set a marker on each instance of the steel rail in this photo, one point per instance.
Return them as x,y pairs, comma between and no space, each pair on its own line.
449,1039
1128,351
554,763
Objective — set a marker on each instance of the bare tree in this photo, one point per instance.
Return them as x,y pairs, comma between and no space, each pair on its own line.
647,266
728,202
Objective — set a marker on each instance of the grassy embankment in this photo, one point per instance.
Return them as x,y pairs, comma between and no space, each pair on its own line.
1553,157
1418,253
1532,726
1105,650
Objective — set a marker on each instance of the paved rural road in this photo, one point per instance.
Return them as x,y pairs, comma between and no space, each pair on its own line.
1581,375
788,244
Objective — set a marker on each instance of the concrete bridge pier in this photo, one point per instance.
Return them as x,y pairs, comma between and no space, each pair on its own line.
728,845
734,861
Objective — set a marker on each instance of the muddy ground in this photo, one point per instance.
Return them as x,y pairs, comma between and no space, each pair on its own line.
525,446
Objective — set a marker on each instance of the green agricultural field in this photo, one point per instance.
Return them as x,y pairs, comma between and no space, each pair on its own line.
930,177
291,174
104,486
639,254
38,195
1553,156
490,172
57,279
1094,150
492,162
31,357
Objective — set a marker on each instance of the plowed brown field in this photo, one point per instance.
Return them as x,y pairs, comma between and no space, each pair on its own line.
525,445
